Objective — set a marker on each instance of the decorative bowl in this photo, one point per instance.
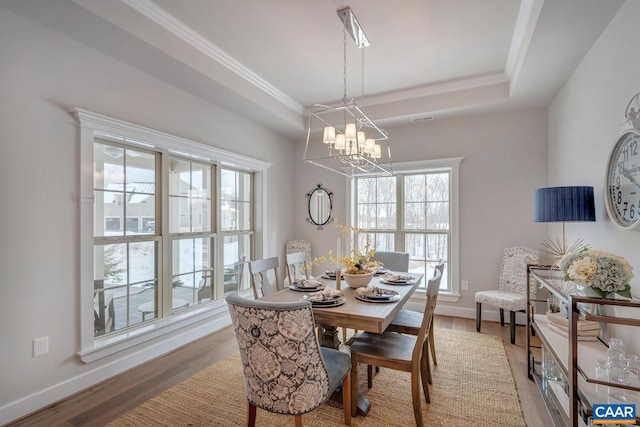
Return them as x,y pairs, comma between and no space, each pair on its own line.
358,280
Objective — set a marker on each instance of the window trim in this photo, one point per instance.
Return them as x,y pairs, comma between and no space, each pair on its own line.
452,164
92,124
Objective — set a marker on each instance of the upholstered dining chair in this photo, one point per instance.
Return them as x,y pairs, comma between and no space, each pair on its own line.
409,322
394,261
297,266
512,288
398,351
285,369
260,281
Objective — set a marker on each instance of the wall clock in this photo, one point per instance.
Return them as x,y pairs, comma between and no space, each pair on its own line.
622,195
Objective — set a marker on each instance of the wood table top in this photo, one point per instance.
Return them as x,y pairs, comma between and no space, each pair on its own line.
356,314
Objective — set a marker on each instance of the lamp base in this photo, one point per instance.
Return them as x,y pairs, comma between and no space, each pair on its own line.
558,248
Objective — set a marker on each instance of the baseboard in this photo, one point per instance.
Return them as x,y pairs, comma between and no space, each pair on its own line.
489,314
43,398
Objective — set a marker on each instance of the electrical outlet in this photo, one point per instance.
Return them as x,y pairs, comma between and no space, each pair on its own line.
465,285
40,346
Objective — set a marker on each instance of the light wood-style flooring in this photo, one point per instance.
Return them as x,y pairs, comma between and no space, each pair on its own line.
112,398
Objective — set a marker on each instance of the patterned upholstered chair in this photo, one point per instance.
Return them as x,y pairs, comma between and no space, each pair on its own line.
512,290
285,369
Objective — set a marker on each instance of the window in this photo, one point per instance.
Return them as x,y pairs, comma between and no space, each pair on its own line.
236,221
156,210
413,211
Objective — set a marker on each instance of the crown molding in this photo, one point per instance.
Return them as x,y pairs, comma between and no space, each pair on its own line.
170,23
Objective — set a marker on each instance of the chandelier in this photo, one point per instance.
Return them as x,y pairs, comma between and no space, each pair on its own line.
357,146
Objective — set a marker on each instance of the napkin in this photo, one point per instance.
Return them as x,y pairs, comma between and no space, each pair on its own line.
396,277
308,283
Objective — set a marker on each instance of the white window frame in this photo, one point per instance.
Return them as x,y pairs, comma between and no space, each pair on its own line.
453,263
91,124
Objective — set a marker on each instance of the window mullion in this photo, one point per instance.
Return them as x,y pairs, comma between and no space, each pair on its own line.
399,233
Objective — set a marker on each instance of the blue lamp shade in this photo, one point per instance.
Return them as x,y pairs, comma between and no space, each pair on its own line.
564,204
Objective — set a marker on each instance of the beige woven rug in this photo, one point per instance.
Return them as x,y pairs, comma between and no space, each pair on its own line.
472,385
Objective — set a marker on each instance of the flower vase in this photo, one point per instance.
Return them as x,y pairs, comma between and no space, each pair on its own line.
588,291
358,280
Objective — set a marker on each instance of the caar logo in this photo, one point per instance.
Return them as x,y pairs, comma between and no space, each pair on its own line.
614,413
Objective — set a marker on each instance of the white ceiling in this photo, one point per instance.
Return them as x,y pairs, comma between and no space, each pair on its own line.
271,61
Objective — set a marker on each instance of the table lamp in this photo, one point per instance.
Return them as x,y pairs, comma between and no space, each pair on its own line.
563,204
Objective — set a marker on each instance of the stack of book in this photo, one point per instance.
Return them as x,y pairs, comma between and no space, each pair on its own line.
587,329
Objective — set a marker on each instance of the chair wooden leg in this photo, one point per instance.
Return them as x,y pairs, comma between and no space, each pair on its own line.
354,385
251,415
425,352
512,326
425,373
432,347
502,317
478,316
344,335
298,420
369,376
415,397
346,398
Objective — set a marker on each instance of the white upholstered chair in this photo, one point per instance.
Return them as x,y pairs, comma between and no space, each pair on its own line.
512,290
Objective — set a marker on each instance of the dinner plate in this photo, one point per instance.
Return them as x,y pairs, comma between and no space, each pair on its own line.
393,298
382,271
326,304
397,282
321,302
304,289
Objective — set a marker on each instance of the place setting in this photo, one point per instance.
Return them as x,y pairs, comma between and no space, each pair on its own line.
326,298
382,271
306,285
396,279
331,275
376,294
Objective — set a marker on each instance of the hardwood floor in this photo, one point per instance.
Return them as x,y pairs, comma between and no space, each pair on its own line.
112,398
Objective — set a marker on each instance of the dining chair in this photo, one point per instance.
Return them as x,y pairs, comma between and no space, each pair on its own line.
260,281
285,370
409,322
394,261
399,352
205,287
512,288
297,266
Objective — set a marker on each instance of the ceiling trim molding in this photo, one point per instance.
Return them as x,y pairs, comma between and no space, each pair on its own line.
522,34
160,16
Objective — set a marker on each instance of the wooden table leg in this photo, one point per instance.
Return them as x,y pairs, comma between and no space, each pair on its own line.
330,337
364,405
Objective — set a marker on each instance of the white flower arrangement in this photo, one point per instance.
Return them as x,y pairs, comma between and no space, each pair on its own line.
603,271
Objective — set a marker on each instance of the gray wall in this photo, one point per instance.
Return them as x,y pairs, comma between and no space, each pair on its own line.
584,124
42,76
504,162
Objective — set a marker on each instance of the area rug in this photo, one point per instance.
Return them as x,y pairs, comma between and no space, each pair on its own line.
472,385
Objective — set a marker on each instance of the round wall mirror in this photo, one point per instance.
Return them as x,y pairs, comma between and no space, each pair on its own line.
319,204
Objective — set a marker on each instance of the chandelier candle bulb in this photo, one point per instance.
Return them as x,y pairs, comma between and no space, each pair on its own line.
329,136
350,132
369,146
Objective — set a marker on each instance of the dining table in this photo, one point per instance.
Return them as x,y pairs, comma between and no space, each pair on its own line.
370,316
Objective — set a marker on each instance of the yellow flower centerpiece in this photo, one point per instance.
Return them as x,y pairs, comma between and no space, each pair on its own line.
358,266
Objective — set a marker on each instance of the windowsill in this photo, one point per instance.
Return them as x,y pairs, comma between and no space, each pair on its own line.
117,342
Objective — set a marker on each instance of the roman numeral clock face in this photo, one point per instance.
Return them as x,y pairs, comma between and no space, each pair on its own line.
623,181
